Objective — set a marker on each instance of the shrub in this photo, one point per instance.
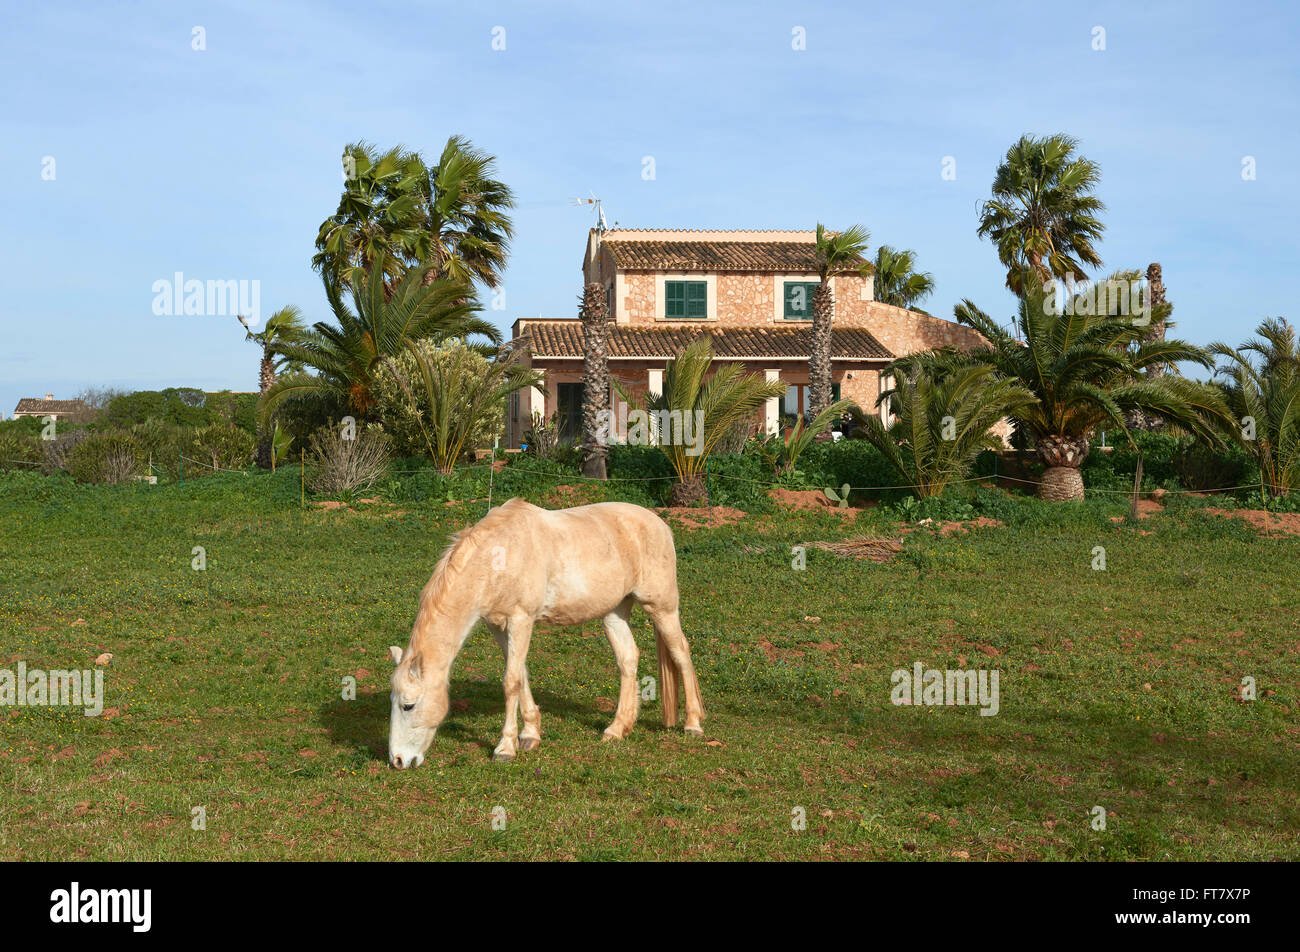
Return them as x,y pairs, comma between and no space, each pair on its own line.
223,445
110,457
57,453
341,467
19,451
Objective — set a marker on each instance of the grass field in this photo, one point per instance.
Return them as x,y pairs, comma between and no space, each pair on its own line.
1118,689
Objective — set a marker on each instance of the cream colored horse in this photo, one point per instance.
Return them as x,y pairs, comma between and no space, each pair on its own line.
520,565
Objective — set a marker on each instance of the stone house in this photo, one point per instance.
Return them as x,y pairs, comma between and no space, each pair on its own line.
66,410
750,290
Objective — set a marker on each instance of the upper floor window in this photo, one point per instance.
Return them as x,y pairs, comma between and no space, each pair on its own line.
798,300
686,300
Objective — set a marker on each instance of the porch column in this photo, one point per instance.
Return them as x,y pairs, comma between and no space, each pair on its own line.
772,412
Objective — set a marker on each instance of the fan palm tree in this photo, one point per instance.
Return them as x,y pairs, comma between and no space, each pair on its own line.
836,253
1042,215
897,281
399,213
283,326
709,410
1262,388
943,414
382,321
381,218
1087,370
469,222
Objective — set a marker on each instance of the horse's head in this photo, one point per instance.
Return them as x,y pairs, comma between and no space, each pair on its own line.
419,705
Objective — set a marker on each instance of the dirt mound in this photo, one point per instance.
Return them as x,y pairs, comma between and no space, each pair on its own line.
1269,523
690,517
951,528
802,500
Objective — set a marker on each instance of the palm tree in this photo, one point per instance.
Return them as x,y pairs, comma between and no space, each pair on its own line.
380,221
1086,370
346,355
782,451
708,410
1262,388
897,281
943,414
595,380
400,213
836,253
468,215
282,327
1042,216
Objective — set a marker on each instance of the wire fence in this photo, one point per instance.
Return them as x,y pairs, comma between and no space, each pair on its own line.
709,476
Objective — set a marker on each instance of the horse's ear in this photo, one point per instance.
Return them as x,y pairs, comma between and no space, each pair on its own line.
396,654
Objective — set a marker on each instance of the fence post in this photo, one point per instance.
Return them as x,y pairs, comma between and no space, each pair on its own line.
180,465
1137,488
302,479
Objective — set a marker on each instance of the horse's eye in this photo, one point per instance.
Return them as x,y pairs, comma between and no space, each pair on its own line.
408,707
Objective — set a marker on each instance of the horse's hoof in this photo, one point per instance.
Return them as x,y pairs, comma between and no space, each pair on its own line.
503,758
528,743
695,731
611,736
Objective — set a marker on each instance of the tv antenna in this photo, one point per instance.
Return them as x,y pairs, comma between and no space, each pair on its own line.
600,211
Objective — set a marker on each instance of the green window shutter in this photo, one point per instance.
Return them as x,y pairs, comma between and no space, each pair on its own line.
697,299
835,392
674,299
798,300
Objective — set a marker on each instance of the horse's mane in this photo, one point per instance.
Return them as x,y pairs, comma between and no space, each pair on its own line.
462,546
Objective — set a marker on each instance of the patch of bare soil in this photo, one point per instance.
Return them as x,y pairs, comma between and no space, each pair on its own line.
690,517
1269,523
865,547
1146,507
803,500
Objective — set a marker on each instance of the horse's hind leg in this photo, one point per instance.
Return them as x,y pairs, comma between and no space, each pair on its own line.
622,641
668,627
531,735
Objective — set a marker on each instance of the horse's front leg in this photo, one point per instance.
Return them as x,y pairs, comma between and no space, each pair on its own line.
519,632
531,735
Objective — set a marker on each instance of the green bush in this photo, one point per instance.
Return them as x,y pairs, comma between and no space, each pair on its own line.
20,451
109,457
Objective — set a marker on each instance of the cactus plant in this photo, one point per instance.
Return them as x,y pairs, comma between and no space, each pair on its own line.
841,496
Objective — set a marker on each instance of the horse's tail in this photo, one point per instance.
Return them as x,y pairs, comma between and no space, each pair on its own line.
669,679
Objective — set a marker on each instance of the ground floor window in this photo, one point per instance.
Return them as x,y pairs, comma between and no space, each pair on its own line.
568,400
795,402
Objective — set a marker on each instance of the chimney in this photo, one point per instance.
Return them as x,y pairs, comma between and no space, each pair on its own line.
49,396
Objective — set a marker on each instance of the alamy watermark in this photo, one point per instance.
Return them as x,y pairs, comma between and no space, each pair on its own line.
652,428
39,688
1111,296
192,297
953,687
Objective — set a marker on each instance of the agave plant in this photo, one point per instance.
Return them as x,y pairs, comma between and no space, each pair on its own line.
696,413
1086,366
1262,387
943,414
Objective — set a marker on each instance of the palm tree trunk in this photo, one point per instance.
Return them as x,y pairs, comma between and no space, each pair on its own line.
819,358
687,492
1063,456
595,382
1138,419
266,381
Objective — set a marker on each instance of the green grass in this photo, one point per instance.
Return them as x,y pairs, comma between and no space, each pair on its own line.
1117,689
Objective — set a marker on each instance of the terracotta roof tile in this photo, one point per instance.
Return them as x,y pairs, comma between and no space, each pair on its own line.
703,255
563,338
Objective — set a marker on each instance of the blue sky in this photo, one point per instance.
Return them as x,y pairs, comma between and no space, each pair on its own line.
222,163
